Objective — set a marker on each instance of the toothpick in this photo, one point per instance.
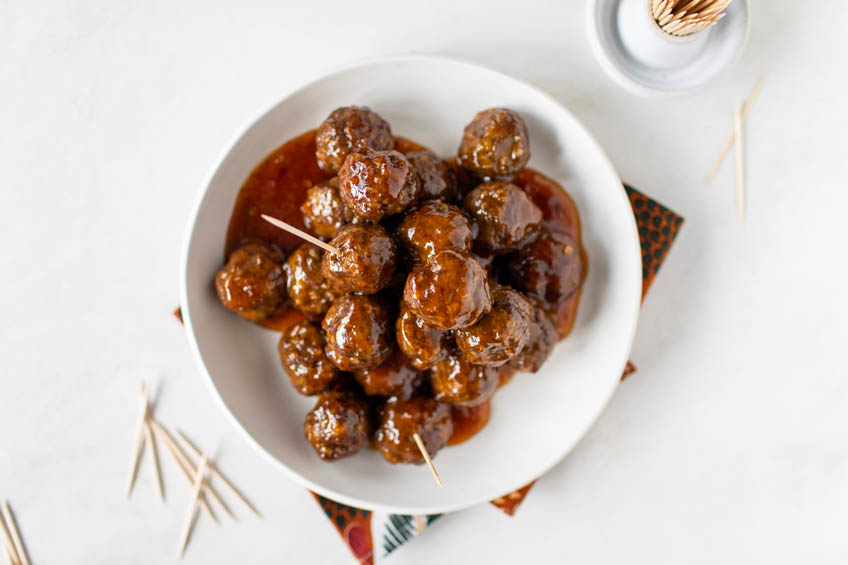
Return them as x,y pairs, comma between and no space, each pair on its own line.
730,138
300,233
192,509
684,17
154,452
740,164
426,455
213,470
189,471
138,446
8,543
9,518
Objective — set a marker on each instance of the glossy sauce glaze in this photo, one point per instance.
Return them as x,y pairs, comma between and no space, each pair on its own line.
278,186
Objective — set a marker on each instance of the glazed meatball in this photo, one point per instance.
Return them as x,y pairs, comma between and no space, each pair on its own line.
456,381
543,337
495,144
301,349
252,282
401,419
423,345
366,260
338,425
451,291
548,266
394,377
435,175
324,211
504,215
433,227
307,287
359,332
348,129
377,184
500,334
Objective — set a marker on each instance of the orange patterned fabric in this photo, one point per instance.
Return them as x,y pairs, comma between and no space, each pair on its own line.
509,502
353,524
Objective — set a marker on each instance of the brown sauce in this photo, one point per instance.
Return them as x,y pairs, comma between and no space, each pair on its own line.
559,214
468,420
278,186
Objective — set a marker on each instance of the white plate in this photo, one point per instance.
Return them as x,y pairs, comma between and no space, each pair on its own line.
536,419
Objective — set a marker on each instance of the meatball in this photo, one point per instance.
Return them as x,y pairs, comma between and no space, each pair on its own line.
495,144
338,425
366,260
434,174
252,282
348,129
377,184
324,211
449,292
433,227
456,381
543,337
358,332
400,420
395,377
301,349
500,334
422,344
308,289
504,215
548,266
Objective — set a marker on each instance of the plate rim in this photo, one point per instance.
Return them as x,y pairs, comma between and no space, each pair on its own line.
186,311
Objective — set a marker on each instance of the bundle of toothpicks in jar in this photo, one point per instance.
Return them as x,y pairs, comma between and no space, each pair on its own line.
685,17
201,474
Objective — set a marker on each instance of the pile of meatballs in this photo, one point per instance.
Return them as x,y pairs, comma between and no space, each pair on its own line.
444,273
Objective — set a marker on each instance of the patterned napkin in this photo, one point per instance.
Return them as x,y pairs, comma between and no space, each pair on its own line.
371,535
374,535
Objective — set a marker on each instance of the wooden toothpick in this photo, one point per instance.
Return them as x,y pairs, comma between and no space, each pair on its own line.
740,164
12,525
300,233
730,138
426,456
138,446
189,471
192,508
154,457
213,470
682,17
7,542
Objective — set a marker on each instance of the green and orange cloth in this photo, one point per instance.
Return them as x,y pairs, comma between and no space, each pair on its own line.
372,535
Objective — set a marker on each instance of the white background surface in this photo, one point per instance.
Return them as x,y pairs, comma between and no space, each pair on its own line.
729,445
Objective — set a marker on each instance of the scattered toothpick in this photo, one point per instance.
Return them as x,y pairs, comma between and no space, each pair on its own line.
187,468
730,138
154,452
192,509
213,470
685,17
15,548
426,456
300,233
740,164
203,492
138,446
11,553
